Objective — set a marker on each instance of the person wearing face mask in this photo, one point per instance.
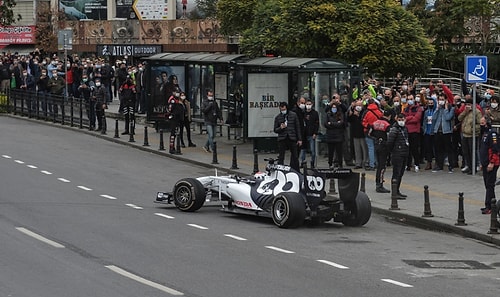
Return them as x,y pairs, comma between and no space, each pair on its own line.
467,118
493,112
311,128
141,90
354,118
85,89
335,124
56,86
211,114
5,75
489,150
300,108
428,127
379,132
43,90
286,125
128,95
28,85
443,130
399,146
186,122
413,113
99,96
372,114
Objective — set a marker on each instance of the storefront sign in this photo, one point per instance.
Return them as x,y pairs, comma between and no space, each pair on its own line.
17,35
133,50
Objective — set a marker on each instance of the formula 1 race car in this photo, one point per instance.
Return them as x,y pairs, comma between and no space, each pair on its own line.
288,196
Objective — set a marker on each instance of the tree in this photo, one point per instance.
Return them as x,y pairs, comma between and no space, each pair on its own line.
378,34
238,15
7,16
207,8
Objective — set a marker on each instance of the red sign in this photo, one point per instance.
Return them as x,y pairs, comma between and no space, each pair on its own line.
17,35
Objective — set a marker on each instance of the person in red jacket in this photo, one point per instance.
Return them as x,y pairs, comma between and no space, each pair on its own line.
413,113
372,114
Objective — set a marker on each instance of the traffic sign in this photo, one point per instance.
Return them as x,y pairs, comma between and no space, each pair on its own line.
476,69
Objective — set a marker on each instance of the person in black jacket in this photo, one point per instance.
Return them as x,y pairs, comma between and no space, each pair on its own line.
211,113
287,126
175,118
399,146
335,124
378,131
310,131
127,95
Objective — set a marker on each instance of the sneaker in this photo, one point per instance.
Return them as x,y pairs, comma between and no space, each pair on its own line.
206,149
417,169
408,168
191,144
465,169
450,169
436,169
382,190
486,211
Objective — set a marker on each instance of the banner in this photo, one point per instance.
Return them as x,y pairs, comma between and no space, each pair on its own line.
132,50
17,35
84,9
265,92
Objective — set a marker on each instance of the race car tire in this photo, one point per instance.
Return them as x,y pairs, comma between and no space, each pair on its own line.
360,211
288,210
189,194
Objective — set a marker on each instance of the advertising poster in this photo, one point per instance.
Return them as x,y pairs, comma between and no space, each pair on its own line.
265,92
164,80
84,9
17,35
124,9
154,9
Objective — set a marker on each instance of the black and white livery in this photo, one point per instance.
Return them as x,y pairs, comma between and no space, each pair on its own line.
288,196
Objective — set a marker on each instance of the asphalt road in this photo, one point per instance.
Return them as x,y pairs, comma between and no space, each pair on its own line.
77,218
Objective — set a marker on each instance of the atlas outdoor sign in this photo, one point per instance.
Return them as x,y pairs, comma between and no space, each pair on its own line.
133,50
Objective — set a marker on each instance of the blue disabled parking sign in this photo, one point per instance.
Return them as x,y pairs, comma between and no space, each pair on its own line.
476,69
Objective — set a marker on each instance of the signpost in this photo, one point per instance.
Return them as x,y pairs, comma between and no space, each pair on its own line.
476,71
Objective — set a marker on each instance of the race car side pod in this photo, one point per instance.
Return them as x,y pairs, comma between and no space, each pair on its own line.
255,161
162,144
234,165
214,154
461,215
493,219
427,204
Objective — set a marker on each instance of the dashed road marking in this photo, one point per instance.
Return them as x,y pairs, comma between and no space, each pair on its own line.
279,249
133,206
63,180
333,264
19,161
198,226
144,281
84,188
39,237
6,157
46,172
31,166
164,215
235,237
396,283
108,197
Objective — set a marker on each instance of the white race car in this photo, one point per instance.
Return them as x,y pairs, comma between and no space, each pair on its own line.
288,196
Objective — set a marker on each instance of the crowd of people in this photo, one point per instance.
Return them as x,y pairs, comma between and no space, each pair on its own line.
406,126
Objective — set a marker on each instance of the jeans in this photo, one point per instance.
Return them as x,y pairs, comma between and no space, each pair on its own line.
312,148
371,150
210,133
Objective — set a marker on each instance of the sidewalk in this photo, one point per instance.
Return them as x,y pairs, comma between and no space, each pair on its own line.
444,187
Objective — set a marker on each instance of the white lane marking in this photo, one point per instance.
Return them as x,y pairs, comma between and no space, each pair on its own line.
84,188
198,226
279,250
333,264
109,197
144,281
7,157
19,161
133,206
396,283
46,172
31,166
164,216
64,180
39,237
235,237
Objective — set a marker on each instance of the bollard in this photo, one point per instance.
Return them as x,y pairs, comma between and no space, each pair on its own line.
362,187
461,216
235,162
427,204
493,219
146,140
214,154
162,145
117,134
131,134
178,143
332,186
103,128
394,195
255,161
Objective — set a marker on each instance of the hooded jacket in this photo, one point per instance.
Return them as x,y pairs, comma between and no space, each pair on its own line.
428,123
